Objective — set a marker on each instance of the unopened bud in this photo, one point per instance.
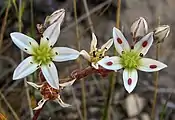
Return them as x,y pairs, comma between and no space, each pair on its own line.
139,28
161,32
57,16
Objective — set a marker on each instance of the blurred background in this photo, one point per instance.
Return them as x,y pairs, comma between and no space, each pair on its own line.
15,97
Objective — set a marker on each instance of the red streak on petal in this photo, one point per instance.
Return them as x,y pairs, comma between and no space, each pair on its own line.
119,40
153,66
109,63
144,44
129,81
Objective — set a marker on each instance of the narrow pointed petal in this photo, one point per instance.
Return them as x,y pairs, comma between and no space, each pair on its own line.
107,45
65,54
85,55
93,43
34,85
110,63
144,44
62,104
24,42
94,65
50,73
57,16
52,33
40,104
150,65
120,41
130,78
26,67
69,83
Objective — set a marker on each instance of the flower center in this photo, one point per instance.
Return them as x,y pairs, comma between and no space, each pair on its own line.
130,59
96,55
43,54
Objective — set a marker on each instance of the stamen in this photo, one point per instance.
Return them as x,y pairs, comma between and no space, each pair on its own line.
56,53
47,38
30,43
25,48
94,55
141,55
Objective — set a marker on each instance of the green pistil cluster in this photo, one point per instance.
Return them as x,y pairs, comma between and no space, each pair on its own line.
43,54
130,59
96,55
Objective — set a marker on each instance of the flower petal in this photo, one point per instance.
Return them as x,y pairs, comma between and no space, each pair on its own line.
52,33
85,55
130,78
107,45
40,104
34,85
57,16
50,73
62,104
69,83
94,65
26,67
93,43
110,63
119,41
24,42
144,44
150,65
65,54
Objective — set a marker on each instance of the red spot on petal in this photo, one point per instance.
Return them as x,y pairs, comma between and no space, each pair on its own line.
129,81
144,44
119,40
109,63
153,66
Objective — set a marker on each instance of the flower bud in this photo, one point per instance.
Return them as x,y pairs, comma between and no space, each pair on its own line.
57,16
161,32
139,28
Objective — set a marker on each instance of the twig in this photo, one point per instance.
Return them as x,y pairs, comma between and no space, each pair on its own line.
4,24
88,16
22,58
85,16
9,106
83,89
112,79
156,81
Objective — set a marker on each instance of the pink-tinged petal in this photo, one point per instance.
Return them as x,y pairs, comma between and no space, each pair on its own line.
130,78
62,104
25,68
50,73
119,41
40,104
93,43
69,83
65,54
57,16
34,85
150,65
107,45
94,65
110,63
52,33
144,44
85,55
24,42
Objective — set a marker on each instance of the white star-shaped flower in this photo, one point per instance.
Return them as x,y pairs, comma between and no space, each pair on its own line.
96,54
42,55
131,59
